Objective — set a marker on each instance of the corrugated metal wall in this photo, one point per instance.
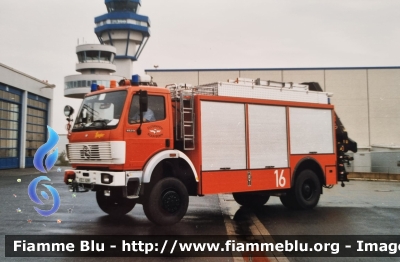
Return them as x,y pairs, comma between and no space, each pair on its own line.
367,100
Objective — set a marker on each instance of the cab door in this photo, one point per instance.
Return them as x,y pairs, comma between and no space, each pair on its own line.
154,135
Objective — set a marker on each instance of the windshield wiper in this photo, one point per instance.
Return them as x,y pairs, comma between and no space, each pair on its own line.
79,125
103,121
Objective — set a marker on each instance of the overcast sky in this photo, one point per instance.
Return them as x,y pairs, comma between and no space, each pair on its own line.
39,37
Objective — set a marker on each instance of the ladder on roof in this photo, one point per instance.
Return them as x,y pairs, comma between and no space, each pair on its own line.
269,83
262,89
187,120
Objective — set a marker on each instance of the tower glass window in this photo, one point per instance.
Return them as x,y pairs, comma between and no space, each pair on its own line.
81,57
105,56
120,6
92,56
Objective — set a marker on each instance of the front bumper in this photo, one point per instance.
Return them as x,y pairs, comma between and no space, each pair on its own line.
131,181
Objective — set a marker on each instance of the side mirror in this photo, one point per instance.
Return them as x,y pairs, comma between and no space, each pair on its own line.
143,104
68,111
143,101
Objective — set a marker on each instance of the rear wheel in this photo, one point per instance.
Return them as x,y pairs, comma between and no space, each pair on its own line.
307,189
167,202
306,192
289,200
251,199
114,205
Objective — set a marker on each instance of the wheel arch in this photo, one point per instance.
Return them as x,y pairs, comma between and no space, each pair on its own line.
308,163
171,163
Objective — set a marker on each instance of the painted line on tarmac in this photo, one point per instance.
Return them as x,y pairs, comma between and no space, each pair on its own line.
229,207
258,229
230,229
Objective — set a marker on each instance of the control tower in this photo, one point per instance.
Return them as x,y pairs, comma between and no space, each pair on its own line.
124,29
95,63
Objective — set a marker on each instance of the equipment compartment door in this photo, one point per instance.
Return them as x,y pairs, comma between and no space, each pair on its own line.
223,136
267,136
311,131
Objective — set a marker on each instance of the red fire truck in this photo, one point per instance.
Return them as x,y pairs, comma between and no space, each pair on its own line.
138,143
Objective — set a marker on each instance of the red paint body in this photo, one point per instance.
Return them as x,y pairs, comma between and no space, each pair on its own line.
158,136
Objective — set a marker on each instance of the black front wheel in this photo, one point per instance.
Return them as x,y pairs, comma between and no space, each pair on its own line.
114,205
167,202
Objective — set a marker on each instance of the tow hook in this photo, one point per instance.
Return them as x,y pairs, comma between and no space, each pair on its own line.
74,186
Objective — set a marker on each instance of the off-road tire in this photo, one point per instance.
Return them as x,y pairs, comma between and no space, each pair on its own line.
114,205
305,193
167,202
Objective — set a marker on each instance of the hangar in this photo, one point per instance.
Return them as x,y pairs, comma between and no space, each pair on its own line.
25,111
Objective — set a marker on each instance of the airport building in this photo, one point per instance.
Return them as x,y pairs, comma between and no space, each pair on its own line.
122,34
366,99
25,112
95,63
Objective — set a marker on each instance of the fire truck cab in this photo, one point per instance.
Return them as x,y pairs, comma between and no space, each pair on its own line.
138,143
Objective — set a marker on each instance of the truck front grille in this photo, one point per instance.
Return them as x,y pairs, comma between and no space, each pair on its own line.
89,152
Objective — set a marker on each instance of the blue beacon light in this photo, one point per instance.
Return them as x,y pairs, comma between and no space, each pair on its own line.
93,88
135,80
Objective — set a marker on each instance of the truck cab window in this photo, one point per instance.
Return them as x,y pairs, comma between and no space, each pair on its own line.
155,111
102,111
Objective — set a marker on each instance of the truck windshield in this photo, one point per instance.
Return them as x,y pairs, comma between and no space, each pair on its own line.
102,111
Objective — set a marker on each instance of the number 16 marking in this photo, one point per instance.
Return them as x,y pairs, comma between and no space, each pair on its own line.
280,179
